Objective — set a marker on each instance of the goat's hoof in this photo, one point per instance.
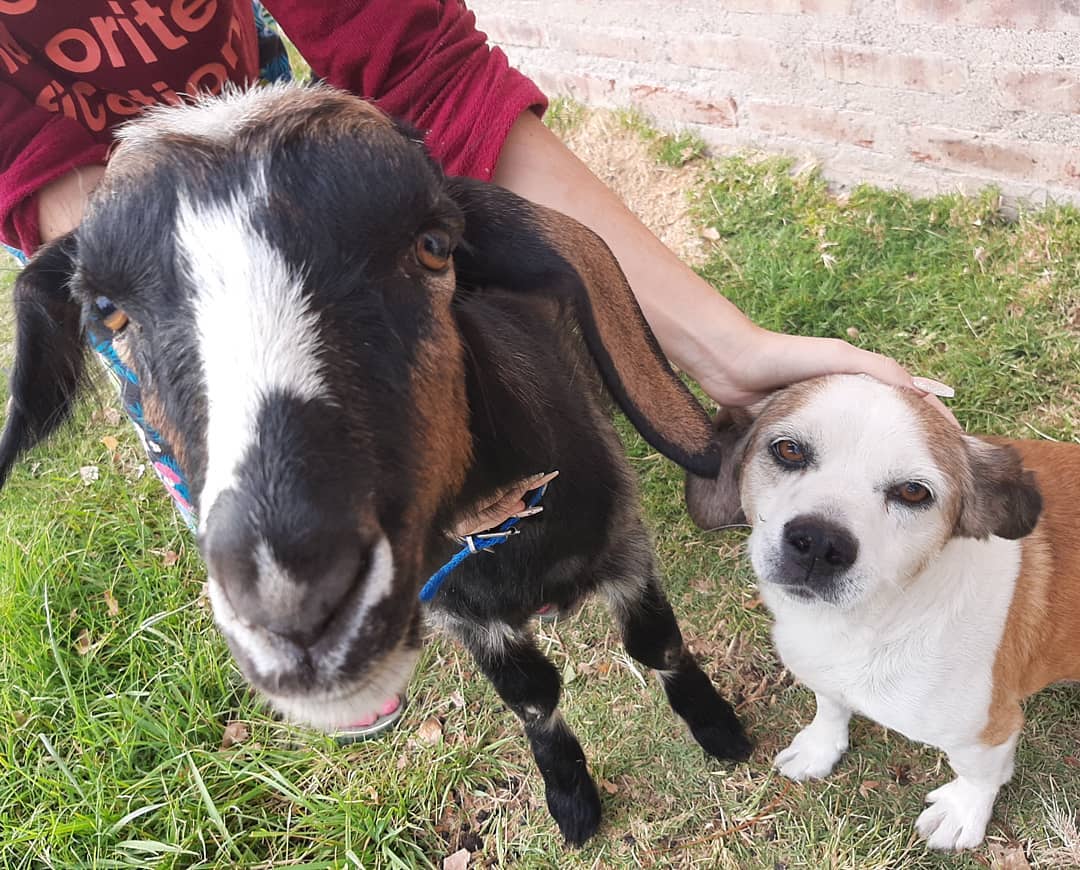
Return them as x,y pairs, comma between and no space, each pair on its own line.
576,811
724,738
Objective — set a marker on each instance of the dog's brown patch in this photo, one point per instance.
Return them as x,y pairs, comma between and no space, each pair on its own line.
1041,641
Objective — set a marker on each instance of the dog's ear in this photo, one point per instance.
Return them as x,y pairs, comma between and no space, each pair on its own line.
49,352
713,502
515,245
1000,498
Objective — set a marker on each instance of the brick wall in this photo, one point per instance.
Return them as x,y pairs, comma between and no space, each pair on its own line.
928,95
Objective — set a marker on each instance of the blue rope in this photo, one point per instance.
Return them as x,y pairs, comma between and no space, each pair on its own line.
477,544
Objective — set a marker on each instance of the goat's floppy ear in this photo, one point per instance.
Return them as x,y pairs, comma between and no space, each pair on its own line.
514,244
1001,497
48,352
713,502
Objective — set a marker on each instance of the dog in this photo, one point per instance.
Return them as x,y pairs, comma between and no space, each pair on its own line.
923,578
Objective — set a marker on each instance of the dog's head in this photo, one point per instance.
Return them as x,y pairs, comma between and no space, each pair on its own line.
288,260
852,487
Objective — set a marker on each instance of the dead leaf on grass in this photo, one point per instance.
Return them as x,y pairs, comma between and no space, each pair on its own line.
430,731
110,442
868,785
235,733
111,416
458,861
83,642
111,603
1008,856
607,786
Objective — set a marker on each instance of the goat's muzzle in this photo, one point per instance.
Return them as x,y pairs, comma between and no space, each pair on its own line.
306,602
291,582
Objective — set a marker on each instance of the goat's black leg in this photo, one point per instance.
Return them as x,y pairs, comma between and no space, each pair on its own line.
651,635
530,685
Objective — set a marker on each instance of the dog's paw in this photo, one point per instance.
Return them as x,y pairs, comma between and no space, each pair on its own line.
812,754
957,816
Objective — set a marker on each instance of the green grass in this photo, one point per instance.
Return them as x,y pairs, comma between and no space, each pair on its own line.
112,722
671,149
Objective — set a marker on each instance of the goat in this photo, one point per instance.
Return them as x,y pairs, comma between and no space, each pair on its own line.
345,349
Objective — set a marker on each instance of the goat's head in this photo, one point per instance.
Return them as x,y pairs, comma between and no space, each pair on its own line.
288,259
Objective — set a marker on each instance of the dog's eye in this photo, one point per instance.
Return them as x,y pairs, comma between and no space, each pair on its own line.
911,493
433,250
789,452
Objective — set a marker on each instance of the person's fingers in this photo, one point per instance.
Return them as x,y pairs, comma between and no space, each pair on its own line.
889,371
940,407
853,360
800,358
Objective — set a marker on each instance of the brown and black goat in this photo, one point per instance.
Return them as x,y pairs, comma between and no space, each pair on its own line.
345,349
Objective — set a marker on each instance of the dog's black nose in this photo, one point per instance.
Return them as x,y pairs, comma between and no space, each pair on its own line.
821,547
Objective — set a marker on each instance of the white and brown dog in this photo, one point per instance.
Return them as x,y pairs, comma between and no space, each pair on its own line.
910,573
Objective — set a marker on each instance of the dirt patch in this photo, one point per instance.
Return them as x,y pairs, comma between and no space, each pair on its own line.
656,193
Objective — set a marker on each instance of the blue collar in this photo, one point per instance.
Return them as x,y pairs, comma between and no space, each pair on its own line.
480,543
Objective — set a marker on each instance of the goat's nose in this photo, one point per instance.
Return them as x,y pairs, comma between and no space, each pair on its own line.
813,542
291,580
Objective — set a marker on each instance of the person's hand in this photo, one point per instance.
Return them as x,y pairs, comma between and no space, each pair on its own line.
508,502
761,361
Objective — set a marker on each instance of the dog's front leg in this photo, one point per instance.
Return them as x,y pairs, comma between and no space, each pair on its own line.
816,749
960,810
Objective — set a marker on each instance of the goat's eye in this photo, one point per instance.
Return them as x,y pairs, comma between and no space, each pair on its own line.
433,250
790,453
912,493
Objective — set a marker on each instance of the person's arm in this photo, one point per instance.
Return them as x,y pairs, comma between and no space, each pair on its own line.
48,163
61,203
733,360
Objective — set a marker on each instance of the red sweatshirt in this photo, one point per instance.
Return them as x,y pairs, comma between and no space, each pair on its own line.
70,72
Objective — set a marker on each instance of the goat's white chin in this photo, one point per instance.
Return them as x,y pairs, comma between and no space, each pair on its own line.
350,704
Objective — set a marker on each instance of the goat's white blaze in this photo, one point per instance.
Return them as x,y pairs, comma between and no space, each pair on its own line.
255,331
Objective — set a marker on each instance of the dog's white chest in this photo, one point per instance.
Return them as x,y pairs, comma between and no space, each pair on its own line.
922,666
